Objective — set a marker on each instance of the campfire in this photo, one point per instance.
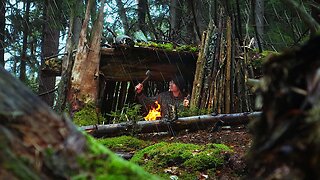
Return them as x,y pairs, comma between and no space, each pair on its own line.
154,112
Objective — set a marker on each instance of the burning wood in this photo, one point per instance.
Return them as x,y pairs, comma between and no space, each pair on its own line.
154,113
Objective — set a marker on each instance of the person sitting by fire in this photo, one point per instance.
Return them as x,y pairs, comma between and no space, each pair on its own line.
175,97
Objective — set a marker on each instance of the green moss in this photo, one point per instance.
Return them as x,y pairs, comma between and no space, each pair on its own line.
168,46
87,116
101,163
187,158
124,143
257,59
188,48
211,157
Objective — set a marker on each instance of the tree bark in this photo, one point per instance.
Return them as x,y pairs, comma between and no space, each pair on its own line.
50,45
2,30
29,128
84,81
142,10
38,144
23,62
209,58
68,60
228,68
259,19
253,13
175,20
197,82
191,123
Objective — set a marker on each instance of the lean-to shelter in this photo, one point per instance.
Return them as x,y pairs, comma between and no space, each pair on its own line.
122,67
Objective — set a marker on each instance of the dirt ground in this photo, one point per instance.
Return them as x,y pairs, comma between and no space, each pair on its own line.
238,138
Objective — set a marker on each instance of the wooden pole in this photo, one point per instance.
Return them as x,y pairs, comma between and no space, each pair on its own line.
228,68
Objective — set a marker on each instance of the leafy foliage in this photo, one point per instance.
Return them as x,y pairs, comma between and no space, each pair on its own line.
193,111
130,112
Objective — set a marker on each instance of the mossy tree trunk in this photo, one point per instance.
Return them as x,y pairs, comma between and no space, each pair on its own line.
38,144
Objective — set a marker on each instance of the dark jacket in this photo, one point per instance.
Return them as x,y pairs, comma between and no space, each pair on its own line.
165,99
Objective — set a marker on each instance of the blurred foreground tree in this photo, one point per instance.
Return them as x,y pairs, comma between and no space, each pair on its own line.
286,141
38,144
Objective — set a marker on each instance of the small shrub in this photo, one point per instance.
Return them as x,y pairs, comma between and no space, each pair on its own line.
130,112
193,111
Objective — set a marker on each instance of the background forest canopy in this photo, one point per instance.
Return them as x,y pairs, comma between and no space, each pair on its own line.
34,30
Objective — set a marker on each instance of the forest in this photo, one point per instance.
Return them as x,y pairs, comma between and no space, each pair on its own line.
159,89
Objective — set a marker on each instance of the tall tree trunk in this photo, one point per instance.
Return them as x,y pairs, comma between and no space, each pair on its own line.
239,24
2,30
123,17
193,32
175,19
22,75
50,45
142,10
202,16
84,81
255,23
68,60
259,19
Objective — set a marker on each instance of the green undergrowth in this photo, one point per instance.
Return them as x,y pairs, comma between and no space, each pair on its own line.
87,116
185,161
101,163
193,111
130,112
124,143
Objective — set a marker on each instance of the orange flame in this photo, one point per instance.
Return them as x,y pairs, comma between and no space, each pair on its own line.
154,113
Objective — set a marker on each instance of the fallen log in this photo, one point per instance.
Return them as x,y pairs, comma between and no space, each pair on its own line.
191,123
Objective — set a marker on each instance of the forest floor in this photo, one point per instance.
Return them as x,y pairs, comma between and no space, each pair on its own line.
238,138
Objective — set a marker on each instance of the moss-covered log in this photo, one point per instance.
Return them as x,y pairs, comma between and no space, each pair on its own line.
38,144
191,123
